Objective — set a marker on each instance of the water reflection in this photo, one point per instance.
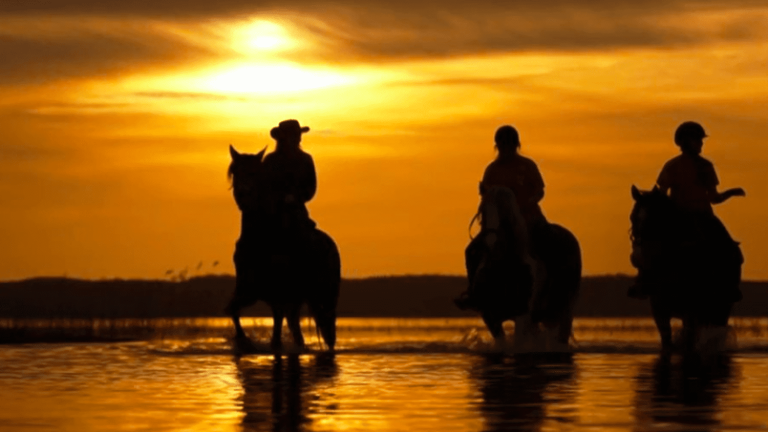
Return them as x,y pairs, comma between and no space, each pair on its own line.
278,392
526,392
683,393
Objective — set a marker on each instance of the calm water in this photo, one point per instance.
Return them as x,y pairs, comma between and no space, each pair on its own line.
398,375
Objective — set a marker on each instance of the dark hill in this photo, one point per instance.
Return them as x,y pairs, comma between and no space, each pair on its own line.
392,296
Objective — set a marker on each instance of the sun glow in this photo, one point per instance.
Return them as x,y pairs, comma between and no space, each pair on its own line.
272,78
263,36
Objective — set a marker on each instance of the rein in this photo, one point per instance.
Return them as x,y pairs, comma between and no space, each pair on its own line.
472,222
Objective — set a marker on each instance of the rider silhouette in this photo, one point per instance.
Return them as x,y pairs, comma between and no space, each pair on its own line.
520,174
691,182
291,177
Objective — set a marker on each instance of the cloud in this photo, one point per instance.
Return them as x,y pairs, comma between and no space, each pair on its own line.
191,96
483,28
49,50
53,40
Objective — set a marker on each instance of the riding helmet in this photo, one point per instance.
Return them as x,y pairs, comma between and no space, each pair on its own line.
688,130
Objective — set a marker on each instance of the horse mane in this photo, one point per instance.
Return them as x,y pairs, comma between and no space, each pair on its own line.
231,172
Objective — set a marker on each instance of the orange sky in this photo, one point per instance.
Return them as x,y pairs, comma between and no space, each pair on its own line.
115,122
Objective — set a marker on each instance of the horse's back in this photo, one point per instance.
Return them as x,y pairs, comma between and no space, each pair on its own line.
565,245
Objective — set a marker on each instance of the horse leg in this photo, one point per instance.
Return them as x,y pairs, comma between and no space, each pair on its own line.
277,328
239,332
662,321
294,325
496,328
233,310
243,295
565,329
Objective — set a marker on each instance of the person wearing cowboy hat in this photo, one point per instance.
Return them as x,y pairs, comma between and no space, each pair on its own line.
291,175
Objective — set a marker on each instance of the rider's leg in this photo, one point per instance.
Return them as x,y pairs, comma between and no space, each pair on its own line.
472,256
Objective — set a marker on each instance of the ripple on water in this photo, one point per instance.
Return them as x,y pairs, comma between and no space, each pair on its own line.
386,375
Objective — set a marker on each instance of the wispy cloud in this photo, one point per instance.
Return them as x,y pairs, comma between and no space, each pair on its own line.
95,38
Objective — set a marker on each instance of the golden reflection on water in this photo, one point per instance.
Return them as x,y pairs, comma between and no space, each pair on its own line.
389,375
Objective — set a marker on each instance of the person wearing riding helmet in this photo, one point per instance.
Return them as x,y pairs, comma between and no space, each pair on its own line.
291,176
691,183
520,174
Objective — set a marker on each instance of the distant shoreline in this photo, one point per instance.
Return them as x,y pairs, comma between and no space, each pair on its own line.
407,296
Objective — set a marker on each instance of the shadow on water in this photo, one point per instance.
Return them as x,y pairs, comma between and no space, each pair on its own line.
683,393
278,392
517,391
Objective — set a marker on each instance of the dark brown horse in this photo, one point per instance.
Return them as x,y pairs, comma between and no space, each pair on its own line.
685,275
536,285
284,266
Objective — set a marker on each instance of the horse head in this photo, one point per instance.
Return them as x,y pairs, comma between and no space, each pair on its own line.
246,177
652,225
651,215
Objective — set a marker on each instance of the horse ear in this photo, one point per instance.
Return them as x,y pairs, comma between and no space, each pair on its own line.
233,152
636,193
260,154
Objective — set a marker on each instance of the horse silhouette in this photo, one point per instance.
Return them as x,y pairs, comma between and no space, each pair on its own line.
282,266
512,282
685,277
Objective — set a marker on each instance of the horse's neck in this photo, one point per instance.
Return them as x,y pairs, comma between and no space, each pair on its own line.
250,224
502,213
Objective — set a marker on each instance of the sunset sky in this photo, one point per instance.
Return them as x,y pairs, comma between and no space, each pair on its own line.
115,119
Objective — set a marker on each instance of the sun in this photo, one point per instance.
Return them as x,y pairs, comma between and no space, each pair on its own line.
262,36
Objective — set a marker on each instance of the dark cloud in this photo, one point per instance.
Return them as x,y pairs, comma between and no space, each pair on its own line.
347,31
28,60
483,28
406,10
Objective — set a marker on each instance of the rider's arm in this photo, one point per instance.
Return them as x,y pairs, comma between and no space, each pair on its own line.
537,185
308,186
716,197
664,182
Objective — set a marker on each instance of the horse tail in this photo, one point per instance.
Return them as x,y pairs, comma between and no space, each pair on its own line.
327,279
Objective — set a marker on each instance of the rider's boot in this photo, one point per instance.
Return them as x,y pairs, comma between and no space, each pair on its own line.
465,301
